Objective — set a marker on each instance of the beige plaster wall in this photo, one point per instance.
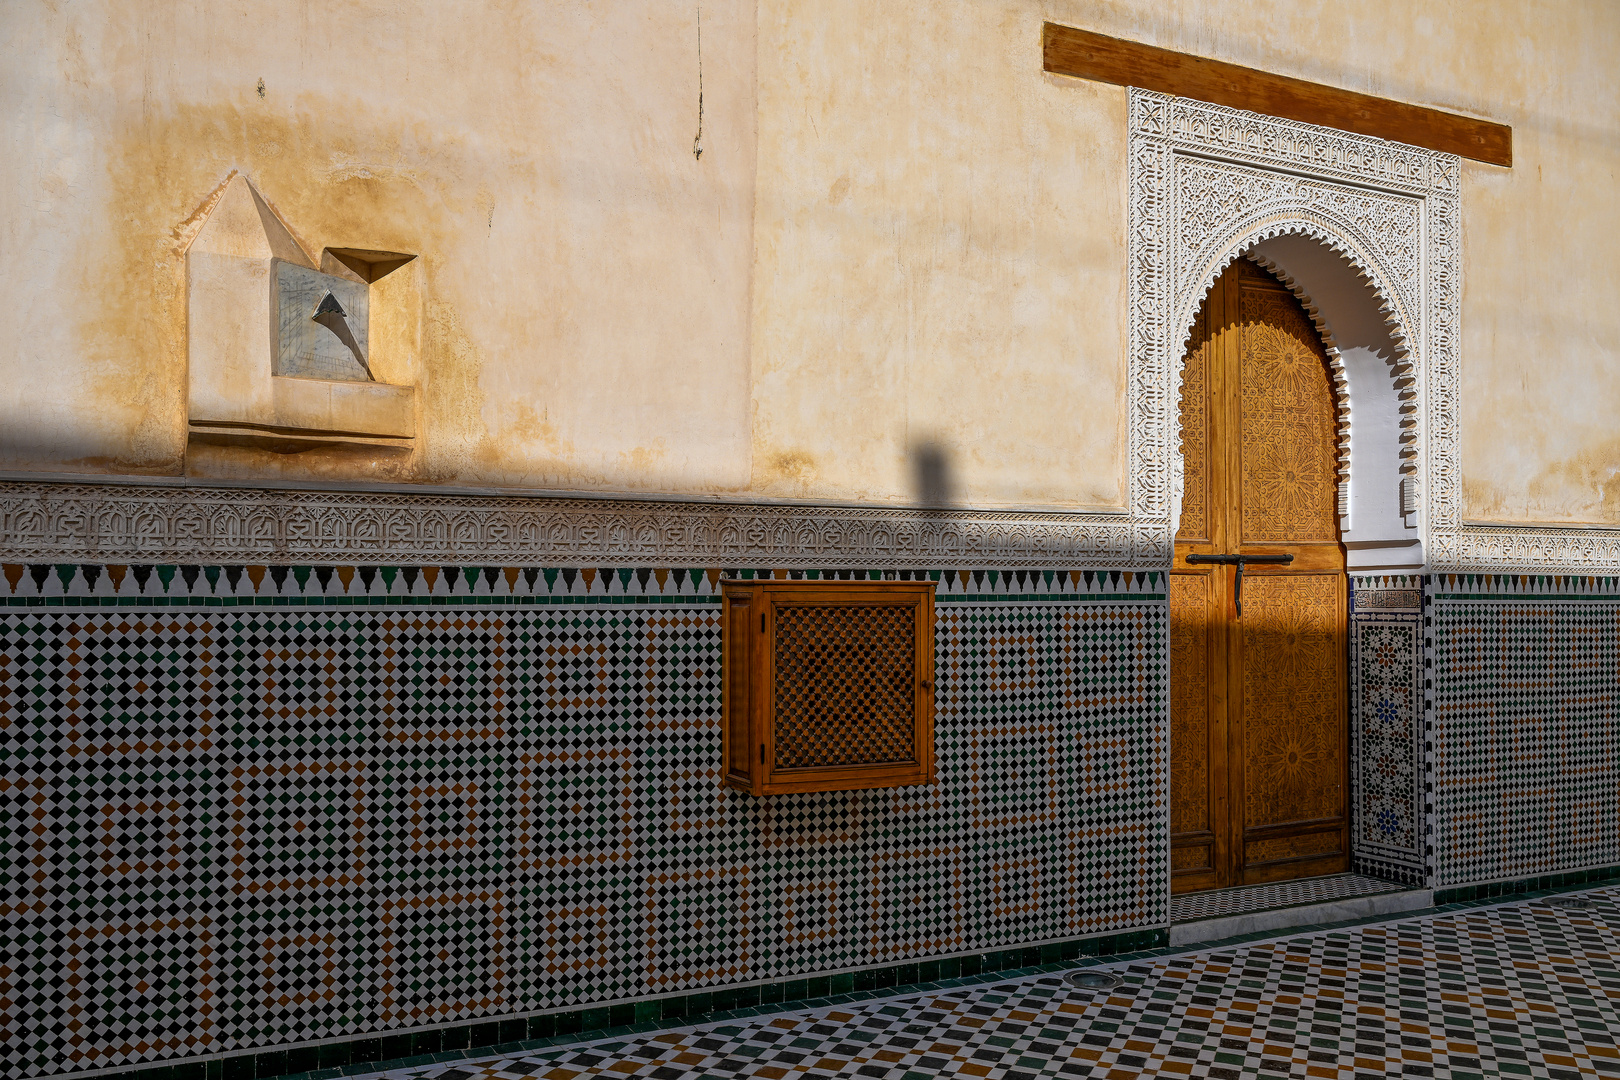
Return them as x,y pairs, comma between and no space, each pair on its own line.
583,277
940,237
1541,302
924,247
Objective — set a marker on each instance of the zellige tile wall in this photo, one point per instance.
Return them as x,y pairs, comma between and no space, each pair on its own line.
249,807
1388,768
1526,690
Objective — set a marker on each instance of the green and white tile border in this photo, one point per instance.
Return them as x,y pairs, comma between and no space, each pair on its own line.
98,584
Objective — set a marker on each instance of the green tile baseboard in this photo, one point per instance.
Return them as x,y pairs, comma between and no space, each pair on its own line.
403,1049
1519,886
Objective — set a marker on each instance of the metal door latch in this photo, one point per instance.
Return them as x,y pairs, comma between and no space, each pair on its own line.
1237,561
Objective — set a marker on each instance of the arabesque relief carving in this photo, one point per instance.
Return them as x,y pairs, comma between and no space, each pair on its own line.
1207,184
1288,420
186,524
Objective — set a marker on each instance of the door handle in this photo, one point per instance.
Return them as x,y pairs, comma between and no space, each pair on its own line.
1238,561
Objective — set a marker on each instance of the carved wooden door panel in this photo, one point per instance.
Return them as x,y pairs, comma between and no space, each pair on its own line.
1259,732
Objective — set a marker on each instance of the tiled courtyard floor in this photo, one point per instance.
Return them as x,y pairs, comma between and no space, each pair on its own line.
1522,989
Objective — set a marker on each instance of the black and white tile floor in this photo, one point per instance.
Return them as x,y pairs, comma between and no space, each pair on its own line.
1523,989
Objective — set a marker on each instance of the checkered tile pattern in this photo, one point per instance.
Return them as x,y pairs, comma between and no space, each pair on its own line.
1388,768
1526,727
246,827
1218,902
1518,990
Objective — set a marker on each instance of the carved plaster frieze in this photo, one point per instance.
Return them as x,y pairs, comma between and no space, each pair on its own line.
184,524
1517,548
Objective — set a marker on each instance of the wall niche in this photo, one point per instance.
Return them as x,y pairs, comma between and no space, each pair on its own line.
287,355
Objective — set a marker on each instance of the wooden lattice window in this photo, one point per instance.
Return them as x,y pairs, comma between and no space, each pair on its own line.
828,685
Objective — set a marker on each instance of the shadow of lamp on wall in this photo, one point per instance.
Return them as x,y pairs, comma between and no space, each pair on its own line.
931,475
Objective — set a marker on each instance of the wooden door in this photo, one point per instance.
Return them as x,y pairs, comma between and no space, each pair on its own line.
1259,742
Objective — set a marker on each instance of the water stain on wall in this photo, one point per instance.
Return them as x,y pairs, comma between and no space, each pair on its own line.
1582,489
537,429
372,184
796,467
456,430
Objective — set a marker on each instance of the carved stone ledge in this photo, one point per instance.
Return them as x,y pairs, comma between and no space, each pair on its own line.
43,522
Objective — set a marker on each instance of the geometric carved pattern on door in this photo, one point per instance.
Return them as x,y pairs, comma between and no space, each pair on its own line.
1289,424
1197,648
1293,710
1259,747
1189,713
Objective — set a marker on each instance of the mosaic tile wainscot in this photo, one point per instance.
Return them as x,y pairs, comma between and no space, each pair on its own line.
1526,725
1389,767
249,807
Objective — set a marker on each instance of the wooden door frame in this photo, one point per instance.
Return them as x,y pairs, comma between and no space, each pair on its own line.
1228,832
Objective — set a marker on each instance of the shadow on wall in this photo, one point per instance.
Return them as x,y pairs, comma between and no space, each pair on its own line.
36,443
931,473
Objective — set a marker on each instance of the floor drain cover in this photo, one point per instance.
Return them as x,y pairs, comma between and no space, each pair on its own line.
1093,980
1568,901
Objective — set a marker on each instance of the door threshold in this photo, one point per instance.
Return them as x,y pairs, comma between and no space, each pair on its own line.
1252,909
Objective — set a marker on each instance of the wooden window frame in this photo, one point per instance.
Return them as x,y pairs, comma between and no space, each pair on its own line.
748,679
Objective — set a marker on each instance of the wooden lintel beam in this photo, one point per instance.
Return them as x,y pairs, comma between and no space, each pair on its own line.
1084,55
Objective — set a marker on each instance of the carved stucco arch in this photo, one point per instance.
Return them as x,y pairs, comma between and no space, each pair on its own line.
1365,233
1342,283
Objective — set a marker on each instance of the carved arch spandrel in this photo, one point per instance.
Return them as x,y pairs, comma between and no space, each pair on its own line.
1209,185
